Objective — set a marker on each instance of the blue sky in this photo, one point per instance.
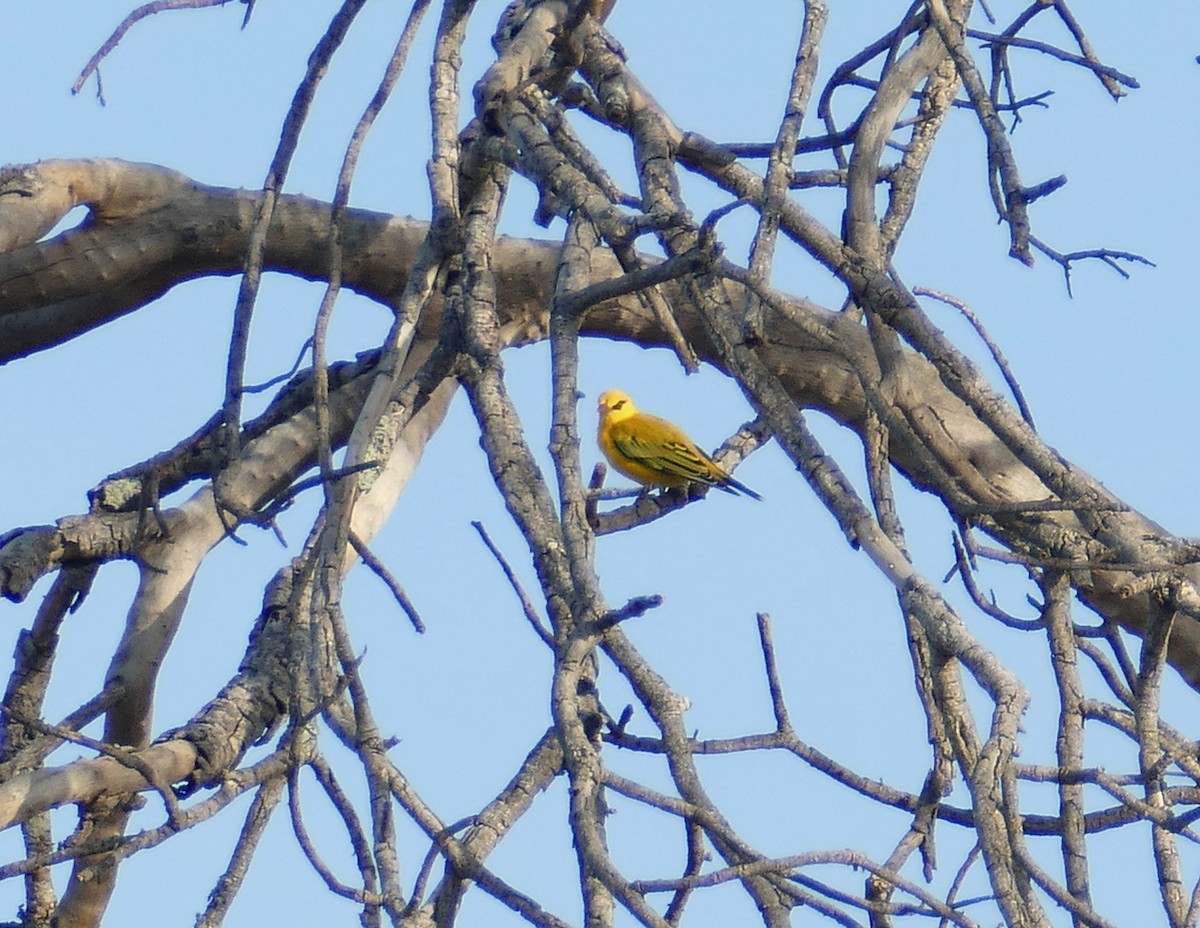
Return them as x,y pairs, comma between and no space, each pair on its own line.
1110,375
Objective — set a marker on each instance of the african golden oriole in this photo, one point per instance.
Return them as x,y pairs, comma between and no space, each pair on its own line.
653,451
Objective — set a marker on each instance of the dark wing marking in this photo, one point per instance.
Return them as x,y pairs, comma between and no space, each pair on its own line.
676,458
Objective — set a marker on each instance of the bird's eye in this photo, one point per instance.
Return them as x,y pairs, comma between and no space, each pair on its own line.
618,404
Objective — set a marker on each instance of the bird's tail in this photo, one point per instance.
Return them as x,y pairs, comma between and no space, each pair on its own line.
735,486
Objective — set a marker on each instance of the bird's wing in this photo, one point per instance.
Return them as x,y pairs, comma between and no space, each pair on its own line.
666,454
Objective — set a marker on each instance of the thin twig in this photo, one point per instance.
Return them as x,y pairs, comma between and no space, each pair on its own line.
1107,256
147,9
230,882
992,347
124,755
527,608
380,570
293,124
779,706
340,198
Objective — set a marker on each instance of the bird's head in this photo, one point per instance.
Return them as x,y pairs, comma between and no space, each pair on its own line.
615,404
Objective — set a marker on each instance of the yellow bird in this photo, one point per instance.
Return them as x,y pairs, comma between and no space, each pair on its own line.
653,451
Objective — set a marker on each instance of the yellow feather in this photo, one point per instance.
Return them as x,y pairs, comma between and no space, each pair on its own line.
653,451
